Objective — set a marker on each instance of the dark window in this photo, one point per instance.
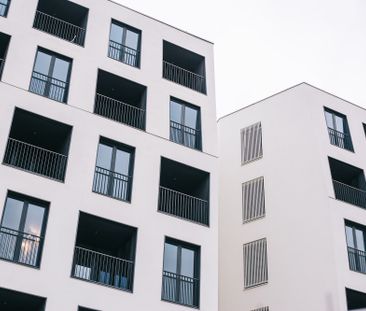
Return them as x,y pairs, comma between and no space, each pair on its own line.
356,243
51,75
184,67
22,229
349,183
64,19
120,100
181,275
338,129
11,300
38,144
104,252
114,170
4,44
124,44
184,191
185,124
355,300
4,7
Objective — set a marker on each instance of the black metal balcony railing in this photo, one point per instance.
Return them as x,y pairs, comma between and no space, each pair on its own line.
124,54
59,28
357,260
185,135
183,205
35,159
340,139
119,111
184,77
4,8
48,86
180,289
112,184
349,194
20,247
103,269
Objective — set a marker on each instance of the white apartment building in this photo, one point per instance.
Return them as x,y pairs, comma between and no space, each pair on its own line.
109,168
292,217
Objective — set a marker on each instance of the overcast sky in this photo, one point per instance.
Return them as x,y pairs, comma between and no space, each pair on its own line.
265,46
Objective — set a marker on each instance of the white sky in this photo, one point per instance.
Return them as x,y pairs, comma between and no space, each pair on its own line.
265,46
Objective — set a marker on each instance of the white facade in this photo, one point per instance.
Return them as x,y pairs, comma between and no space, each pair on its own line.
52,279
304,224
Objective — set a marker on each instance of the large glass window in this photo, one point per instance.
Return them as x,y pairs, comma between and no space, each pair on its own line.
338,130
114,169
22,229
51,75
356,243
181,273
124,44
185,124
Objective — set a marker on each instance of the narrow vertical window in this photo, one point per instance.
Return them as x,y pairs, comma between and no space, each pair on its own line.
181,273
255,263
51,75
22,229
338,129
124,44
356,244
114,170
185,124
253,199
251,143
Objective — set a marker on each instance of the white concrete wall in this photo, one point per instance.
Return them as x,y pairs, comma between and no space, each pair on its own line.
304,224
53,279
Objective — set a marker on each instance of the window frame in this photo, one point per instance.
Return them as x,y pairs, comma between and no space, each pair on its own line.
26,200
126,27
117,146
7,7
198,129
51,68
197,266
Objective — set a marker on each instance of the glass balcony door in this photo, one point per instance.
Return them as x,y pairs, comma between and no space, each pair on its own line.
22,228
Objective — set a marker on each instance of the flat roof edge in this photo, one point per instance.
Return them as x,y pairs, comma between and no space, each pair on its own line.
159,21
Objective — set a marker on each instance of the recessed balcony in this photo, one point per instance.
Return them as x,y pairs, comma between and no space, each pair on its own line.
4,45
184,67
11,300
356,301
348,182
39,145
184,192
104,252
120,100
63,19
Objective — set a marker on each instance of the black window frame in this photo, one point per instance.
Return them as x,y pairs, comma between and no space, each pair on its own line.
197,267
198,129
116,146
342,139
26,199
123,45
46,92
